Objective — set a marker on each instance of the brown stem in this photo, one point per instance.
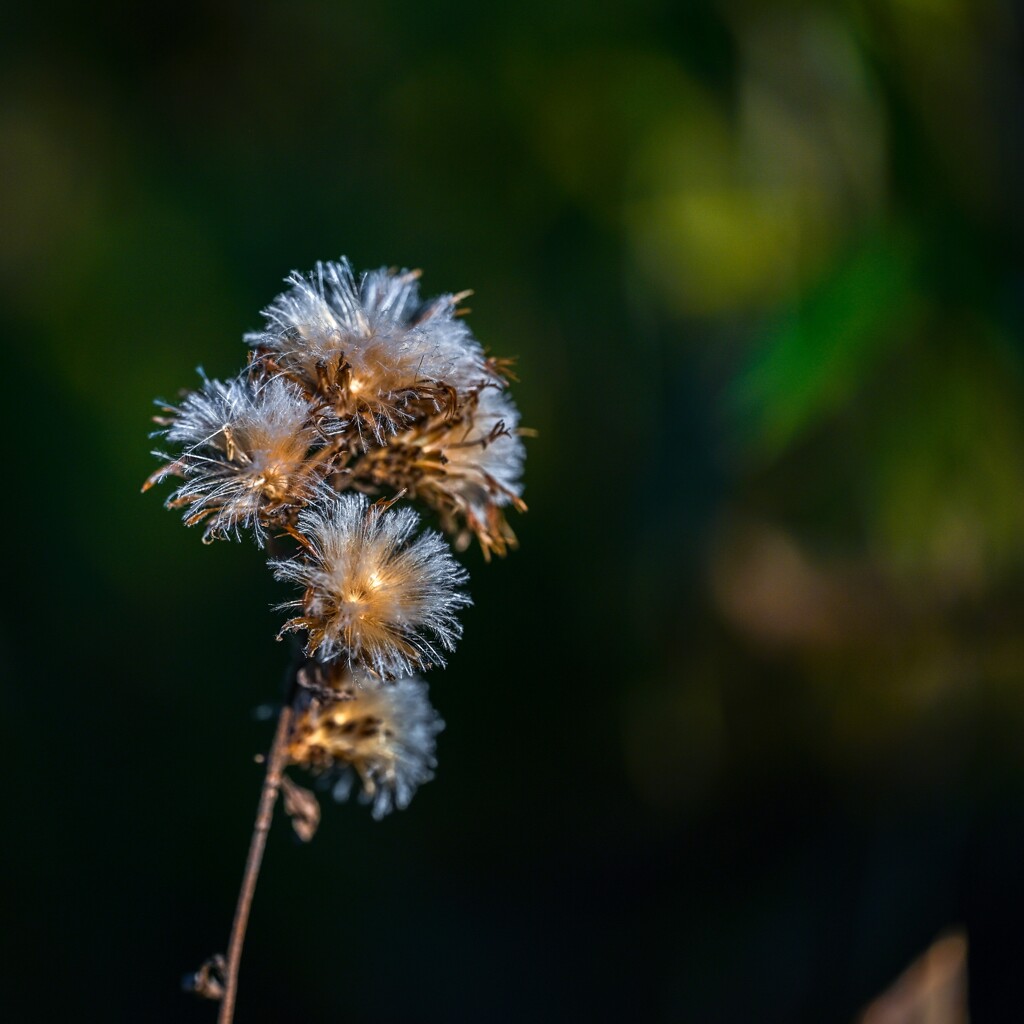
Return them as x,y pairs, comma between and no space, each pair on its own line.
264,817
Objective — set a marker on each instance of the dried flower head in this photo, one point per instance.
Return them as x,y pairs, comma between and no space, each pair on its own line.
466,466
373,351
246,455
483,454
373,595
381,734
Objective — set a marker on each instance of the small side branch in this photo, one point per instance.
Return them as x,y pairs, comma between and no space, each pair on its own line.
264,817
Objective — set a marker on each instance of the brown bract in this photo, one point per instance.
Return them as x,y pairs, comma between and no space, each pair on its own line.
464,465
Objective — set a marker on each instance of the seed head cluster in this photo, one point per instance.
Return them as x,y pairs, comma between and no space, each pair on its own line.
358,398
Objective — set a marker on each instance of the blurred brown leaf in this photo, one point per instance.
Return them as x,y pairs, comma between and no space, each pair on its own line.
932,990
302,807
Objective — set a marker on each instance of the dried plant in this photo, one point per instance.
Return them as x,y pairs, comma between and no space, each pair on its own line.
357,396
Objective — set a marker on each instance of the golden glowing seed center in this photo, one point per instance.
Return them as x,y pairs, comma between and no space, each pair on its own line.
272,482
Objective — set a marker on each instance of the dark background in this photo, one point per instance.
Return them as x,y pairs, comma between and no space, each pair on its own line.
737,731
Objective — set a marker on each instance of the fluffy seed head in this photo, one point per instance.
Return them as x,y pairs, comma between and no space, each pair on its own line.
373,595
374,350
484,456
246,447
467,467
381,734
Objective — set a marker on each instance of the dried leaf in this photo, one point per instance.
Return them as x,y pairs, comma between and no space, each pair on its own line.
302,807
933,989
208,981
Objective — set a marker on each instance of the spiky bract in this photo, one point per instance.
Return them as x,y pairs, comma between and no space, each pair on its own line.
467,467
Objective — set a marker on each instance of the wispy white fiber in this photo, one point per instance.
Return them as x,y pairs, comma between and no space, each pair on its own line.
245,449
382,738
375,595
375,341
486,454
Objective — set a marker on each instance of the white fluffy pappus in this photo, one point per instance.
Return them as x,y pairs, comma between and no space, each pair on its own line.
381,735
246,448
373,347
374,594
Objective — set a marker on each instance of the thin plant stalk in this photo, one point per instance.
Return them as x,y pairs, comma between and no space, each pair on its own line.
264,819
